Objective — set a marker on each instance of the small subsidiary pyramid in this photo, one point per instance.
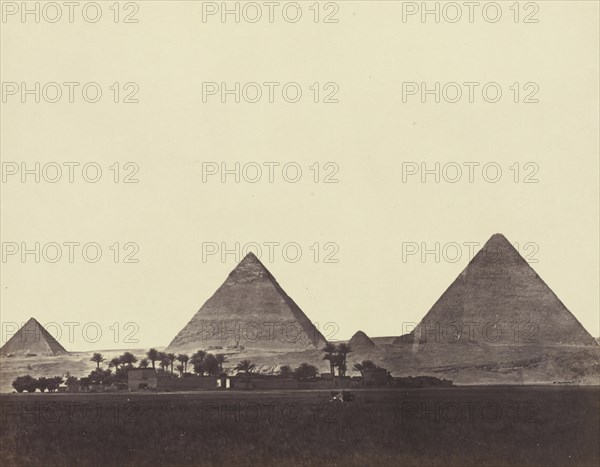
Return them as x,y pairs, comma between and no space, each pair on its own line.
249,309
498,298
32,338
360,341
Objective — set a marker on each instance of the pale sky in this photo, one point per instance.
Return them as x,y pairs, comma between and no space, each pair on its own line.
370,138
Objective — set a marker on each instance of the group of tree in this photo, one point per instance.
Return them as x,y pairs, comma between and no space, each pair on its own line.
364,365
305,372
98,376
201,361
207,363
285,371
125,360
337,356
121,364
246,367
28,383
165,361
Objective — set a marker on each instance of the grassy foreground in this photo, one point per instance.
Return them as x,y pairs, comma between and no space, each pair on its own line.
464,426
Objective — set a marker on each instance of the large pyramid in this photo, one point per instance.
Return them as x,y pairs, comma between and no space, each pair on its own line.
251,310
32,338
499,299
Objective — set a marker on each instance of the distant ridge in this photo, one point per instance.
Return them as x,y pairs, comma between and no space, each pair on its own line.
249,309
384,340
32,338
498,298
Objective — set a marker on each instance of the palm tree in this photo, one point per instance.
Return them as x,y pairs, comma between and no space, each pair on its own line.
54,383
128,358
144,362
220,360
164,360
179,368
183,358
247,368
364,365
369,365
115,362
329,350
338,362
343,350
42,383
197,361
98,358
152,355
171,357
211,365
285,371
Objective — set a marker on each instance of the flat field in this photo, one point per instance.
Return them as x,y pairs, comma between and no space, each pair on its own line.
462,426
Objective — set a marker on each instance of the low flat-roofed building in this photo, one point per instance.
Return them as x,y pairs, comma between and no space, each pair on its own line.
141,378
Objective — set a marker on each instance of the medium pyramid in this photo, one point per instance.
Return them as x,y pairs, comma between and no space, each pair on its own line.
250,309
32,338
499,299
360,340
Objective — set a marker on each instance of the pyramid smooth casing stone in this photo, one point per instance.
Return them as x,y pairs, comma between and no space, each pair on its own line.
249,309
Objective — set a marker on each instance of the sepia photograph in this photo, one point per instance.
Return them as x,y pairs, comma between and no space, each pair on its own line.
300,233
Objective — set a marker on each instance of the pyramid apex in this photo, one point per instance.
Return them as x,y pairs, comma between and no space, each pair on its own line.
500,286
250,256
498,237
498,249
360,339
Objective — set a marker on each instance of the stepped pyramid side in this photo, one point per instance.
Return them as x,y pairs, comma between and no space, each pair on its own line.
360,339
249,309
499,299
32,338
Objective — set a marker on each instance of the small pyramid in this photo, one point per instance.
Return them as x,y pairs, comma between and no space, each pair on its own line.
249,309
498,298
360,340
32,338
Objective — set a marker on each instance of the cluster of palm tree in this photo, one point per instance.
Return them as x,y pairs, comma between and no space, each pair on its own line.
165,360
337,356
204,362
121,364
201,361
126,359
